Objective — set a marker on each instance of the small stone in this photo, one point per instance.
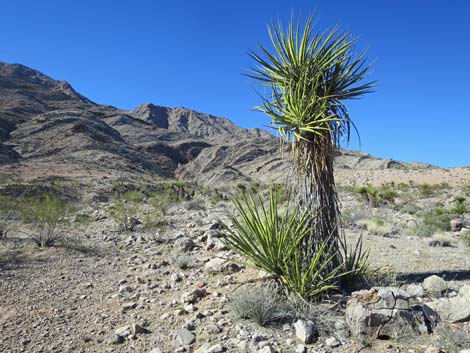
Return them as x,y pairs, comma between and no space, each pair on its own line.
306,331
124,289
184,338
218,265
300,349
137,329
184,244
218,348
193,296
190,325
123,331
176,277
156,350
332,342
115,339
267,349
129,306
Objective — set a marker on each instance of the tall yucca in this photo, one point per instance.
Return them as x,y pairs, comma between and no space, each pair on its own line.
309,76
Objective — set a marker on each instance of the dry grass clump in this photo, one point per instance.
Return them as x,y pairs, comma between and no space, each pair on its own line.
465,238
263,304
442,240
376,226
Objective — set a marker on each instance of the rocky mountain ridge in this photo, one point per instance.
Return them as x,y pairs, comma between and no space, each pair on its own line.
44,121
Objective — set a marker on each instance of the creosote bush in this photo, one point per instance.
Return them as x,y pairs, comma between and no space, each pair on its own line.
47,216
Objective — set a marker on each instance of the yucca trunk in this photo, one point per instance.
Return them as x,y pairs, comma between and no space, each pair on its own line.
318,194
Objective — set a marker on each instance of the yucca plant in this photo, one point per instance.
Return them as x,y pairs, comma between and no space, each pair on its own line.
309,76
271,240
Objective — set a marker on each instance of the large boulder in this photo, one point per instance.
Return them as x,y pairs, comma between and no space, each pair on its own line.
386,313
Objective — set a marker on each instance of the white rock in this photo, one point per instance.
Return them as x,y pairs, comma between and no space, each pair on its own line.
306,331
332,342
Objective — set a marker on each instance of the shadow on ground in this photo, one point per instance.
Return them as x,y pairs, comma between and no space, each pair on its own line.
459,275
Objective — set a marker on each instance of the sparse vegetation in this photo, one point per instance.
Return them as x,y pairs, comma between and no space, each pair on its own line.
459,206
465,238
47,217
183,262
432,221
443,240
374,197
262,304
376,226
7,215
126,208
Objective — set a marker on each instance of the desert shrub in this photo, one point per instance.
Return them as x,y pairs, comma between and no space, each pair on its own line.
272,241
376,226
125,209
263,304
368,194
7,215
465,238
425,190
409,208
47,216
374,197
387,194
183,262
459,206
442,240
432,221
466,190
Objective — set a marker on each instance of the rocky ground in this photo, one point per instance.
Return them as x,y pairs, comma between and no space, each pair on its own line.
168,290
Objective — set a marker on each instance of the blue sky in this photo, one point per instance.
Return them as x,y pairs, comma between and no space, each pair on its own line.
192,53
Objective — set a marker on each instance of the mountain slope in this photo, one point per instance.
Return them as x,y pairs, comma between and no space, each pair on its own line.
45,122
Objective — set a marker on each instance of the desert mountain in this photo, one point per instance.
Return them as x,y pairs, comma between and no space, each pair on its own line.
47,128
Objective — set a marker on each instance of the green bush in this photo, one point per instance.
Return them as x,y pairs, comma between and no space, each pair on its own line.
47,215
459,207
272,241
374,197
425,190
432,221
